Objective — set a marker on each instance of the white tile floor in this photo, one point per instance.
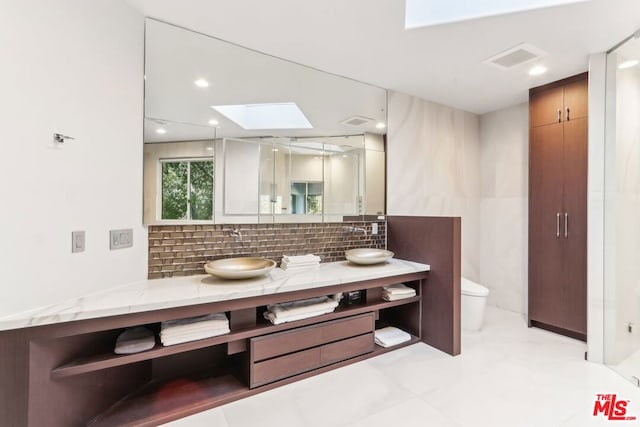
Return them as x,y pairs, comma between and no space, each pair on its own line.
507,375
629,367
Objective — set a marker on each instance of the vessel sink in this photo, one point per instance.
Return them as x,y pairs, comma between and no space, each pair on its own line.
239,268
367,256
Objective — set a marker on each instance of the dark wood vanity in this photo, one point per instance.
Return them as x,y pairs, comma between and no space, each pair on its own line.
66,373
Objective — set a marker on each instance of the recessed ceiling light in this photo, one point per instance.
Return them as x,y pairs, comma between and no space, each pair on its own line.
209,148
277,115
213,122
274,149
537,70
380,125
201,83
161,131
628,64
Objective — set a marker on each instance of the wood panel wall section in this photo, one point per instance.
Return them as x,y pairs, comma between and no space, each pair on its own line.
435,241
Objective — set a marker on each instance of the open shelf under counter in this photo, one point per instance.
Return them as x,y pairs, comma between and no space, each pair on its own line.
109,360
184,396
163,401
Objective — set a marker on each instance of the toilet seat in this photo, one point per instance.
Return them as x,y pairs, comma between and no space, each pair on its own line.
473,289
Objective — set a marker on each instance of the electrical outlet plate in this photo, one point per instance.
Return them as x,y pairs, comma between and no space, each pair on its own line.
120,239
374,228
77,241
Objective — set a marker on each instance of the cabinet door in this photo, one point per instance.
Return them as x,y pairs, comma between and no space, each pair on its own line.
575,239
545,231
575,100
545,107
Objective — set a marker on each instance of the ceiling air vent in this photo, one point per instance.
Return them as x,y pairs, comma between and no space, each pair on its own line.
356,121
517,55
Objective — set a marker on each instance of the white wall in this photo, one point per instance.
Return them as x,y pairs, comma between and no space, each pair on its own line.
595,208
504,166
74,67
433,154
443,161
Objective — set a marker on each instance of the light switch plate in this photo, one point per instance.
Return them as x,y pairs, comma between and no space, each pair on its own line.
77,241
120,239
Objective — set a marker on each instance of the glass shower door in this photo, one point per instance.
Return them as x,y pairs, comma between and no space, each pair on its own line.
622,211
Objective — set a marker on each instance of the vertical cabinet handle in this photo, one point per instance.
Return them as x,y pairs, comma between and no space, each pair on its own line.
559,115
558,224
568,118
566,225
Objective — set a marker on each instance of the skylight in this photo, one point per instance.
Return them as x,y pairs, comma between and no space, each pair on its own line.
422,13
284,115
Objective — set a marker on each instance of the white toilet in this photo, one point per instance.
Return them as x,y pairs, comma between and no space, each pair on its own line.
474,300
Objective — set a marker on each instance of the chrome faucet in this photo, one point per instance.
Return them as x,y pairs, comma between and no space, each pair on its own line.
353,229
236,234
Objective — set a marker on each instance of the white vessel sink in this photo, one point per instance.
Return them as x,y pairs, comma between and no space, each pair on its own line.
239,268
368,256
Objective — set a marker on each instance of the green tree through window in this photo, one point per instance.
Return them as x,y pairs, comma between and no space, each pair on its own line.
187,189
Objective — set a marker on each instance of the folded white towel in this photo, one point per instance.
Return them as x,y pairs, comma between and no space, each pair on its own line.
200,331
189,323
193,337
299,264
300,258
308,305
390,336
283,319
388,297
298,267
399,289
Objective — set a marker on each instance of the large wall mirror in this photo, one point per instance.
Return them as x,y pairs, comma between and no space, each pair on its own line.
236,136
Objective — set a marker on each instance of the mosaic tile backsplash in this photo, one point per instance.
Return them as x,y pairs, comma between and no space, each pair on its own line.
182,250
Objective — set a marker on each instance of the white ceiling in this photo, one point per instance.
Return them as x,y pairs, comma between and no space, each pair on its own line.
366,40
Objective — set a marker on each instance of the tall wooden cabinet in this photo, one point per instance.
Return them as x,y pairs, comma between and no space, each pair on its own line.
558,206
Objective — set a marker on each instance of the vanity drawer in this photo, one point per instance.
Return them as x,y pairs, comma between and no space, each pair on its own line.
306,360
285,366
346,349
280,343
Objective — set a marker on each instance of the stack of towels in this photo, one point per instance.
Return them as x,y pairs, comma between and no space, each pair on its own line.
396,292
390,336
193,328
299,262
301,309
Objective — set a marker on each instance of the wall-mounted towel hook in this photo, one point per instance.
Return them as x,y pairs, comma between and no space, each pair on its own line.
60,138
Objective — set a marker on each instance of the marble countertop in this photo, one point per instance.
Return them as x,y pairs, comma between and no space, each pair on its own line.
157,294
